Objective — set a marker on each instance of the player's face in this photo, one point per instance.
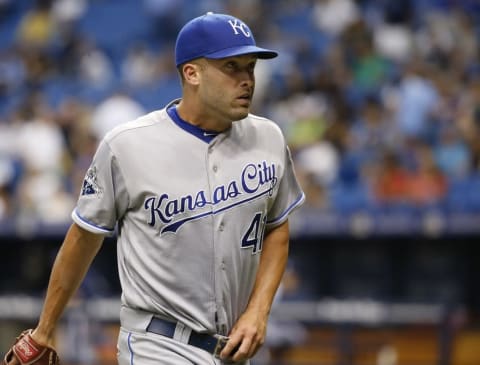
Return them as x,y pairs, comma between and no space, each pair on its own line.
227,85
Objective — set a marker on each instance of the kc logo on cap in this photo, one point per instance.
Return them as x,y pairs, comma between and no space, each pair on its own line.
237,24
216,36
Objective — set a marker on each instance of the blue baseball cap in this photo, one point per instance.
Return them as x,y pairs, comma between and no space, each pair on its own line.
216,36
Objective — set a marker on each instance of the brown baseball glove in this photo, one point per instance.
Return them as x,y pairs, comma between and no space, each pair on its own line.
28,352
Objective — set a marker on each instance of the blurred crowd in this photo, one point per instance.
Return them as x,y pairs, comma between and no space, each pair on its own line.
378,99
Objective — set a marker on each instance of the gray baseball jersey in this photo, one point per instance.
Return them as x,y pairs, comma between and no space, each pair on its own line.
192,208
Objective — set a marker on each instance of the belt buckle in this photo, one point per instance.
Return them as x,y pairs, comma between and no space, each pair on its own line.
221,342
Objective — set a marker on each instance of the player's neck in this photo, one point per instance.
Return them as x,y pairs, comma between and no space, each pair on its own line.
193,114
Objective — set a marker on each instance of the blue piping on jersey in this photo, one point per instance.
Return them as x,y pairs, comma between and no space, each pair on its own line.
90,224
174,226
295,204
130,347
205,135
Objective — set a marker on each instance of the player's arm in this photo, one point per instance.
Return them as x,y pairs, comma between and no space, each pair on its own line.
248,334
71,264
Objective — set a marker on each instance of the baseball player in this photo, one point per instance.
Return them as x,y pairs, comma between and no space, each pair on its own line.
199,194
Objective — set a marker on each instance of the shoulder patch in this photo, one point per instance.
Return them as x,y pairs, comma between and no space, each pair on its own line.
90,185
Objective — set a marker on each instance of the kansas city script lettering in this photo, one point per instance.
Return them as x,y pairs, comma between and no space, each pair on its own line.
252,178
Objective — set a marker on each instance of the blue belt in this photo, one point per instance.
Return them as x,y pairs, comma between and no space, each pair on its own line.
210,343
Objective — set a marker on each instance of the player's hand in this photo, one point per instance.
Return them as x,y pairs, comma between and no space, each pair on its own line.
27,350
246,337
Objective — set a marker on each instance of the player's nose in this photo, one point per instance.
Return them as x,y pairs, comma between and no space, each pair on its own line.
247,82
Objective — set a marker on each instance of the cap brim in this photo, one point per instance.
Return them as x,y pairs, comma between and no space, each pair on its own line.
261,53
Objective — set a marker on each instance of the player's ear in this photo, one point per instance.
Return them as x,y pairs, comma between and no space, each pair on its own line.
191,72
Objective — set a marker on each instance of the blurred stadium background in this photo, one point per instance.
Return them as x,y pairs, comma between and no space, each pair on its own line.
380,103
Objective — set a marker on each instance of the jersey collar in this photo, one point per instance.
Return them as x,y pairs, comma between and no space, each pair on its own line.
204,135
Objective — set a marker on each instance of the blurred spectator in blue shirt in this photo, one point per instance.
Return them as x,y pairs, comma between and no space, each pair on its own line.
416,99
452,154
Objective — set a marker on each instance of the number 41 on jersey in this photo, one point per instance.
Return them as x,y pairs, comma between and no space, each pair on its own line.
254,235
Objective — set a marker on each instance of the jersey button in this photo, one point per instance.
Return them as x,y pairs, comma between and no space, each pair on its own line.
215,168
220,227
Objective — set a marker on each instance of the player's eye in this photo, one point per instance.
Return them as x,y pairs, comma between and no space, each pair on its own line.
231,65
234,67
